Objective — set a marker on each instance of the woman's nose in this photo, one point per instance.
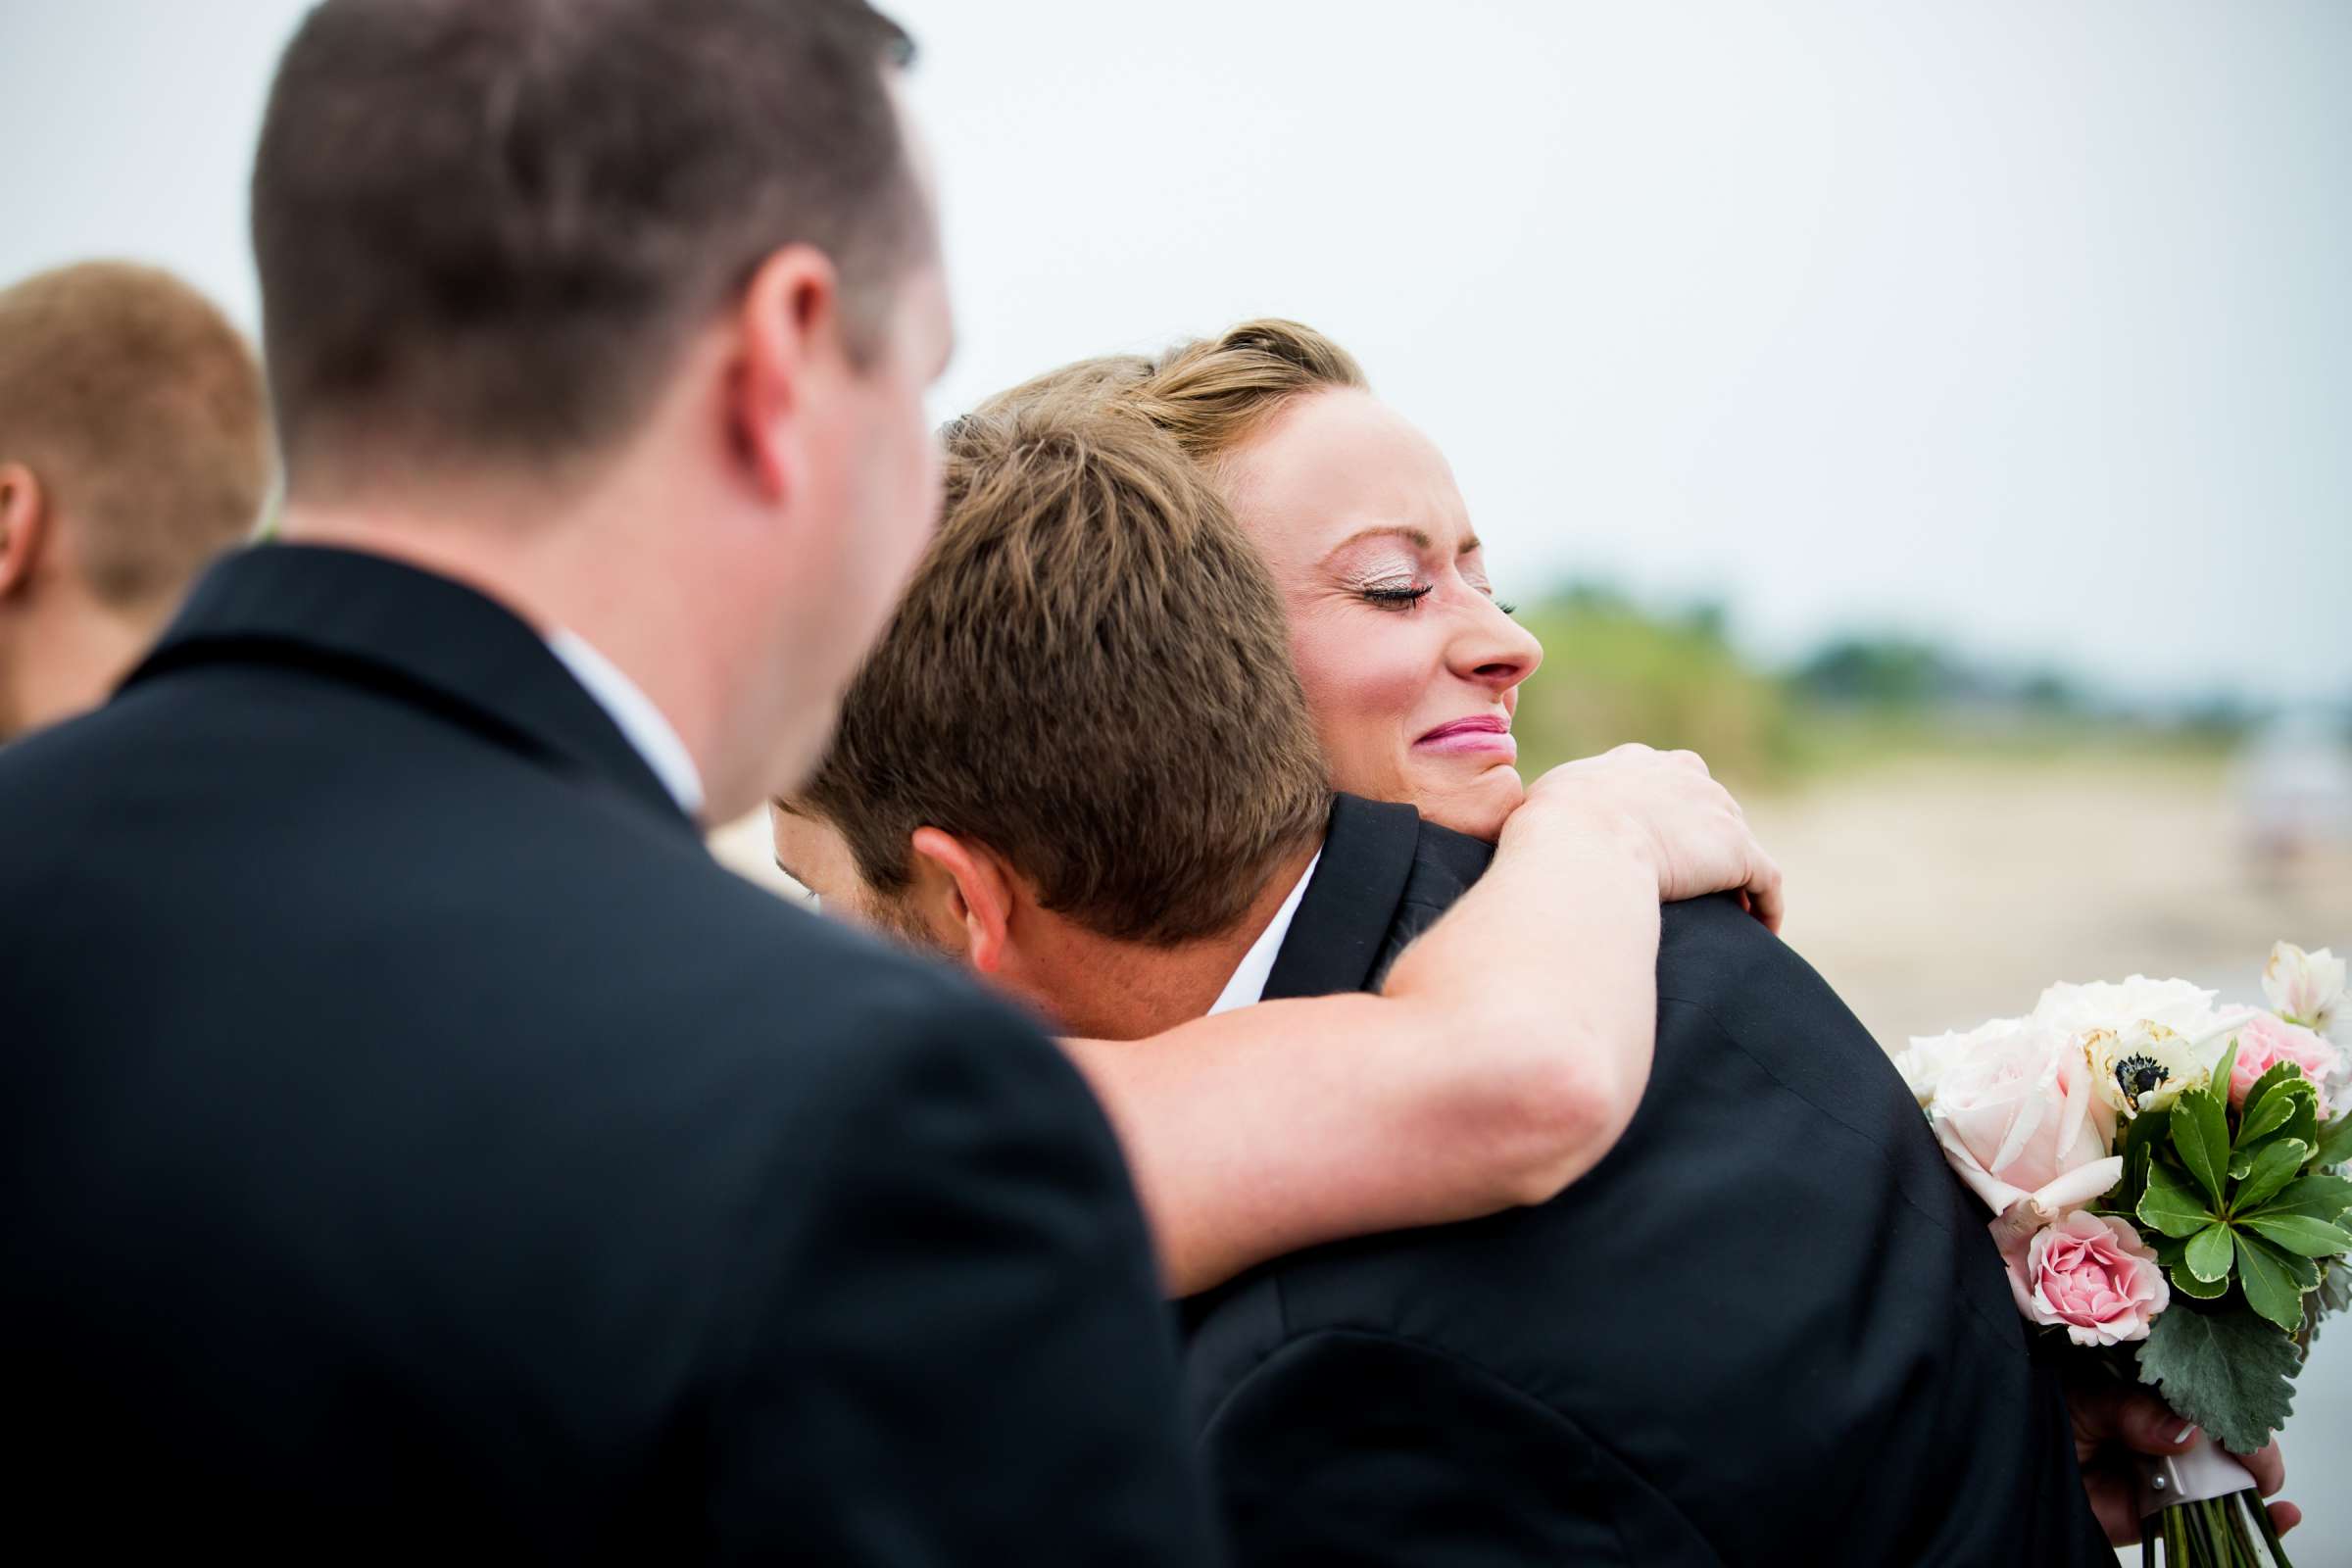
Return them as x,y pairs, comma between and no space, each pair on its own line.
1493,649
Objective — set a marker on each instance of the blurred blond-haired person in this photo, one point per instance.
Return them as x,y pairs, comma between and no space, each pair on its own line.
134,446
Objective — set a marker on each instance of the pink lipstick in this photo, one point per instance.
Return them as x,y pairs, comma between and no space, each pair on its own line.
1481,734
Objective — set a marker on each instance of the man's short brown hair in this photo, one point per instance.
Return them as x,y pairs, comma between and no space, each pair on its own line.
1091,675
141,411
485,228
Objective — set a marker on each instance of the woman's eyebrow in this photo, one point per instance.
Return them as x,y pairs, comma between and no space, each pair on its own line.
1418,538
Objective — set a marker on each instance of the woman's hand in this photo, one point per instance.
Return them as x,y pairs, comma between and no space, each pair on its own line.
2113,1422
1691,828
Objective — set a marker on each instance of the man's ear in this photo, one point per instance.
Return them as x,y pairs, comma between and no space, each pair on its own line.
23,526
975,886
789,315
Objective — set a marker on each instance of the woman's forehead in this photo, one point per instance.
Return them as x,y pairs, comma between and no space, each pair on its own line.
1339,468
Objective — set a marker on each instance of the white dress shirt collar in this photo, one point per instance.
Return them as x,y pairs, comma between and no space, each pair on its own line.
1249,982
636,716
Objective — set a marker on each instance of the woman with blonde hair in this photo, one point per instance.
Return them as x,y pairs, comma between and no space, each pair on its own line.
1518,1043
1395,626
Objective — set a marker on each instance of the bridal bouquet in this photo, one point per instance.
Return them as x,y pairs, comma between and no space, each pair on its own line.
2163,1179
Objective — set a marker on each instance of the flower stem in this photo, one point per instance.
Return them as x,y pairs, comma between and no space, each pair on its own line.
2227,1531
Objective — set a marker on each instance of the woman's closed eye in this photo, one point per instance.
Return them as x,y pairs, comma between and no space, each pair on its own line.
1395,596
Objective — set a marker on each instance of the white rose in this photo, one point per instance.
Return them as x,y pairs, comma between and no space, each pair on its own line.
2017,1118
2176,1005
1925,1061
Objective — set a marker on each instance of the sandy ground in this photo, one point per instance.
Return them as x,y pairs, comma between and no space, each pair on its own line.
1935,898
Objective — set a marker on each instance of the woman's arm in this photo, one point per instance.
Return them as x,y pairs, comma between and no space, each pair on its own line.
1505,1057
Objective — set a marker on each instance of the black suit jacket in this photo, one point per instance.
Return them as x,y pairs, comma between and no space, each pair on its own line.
416,1147
1769,1327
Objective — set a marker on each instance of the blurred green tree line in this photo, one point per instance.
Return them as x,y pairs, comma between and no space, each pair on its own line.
1616,670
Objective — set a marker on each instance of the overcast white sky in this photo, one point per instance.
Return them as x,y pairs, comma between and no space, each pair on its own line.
2019,323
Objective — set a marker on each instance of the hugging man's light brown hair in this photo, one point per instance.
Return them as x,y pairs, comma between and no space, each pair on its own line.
1089,675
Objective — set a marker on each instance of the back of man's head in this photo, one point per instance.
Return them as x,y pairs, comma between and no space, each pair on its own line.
486,229
553,289
135,446
1090,675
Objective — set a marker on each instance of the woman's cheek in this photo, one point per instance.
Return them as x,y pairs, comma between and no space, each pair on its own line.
1365,695
1349,740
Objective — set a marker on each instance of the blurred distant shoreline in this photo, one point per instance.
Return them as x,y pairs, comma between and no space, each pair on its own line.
1616,669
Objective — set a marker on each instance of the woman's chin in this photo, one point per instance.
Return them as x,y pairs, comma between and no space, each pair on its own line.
1478,806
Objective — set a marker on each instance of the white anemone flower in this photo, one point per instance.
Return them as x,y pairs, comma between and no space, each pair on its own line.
2145,1065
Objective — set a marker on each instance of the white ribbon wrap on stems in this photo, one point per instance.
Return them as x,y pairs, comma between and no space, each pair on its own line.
2199,1473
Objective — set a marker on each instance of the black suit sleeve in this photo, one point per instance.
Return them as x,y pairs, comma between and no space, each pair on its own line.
1359,1448
973,1336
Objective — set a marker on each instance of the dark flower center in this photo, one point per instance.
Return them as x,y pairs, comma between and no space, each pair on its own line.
2139,1076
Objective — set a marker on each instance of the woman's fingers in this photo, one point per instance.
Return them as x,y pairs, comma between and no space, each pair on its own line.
1699,833
1764,897
2268,1466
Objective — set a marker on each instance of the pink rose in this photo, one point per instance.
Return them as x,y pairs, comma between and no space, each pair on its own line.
2264,1041
2088,1274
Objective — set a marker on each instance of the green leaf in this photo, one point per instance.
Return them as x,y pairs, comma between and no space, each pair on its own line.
2304,1123
2222,1068
2149,1128
2269,1281
2201,1133
2143,1134
2188,1284
2227,1371
2323,1197
2171,1204
2299,1234
2336,1142
2274,1165
2265,1111
2208,1254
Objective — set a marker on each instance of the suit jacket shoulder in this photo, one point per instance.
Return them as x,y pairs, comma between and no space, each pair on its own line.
1771,1306
411,1124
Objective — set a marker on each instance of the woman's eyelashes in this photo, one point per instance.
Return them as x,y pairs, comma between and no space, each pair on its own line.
1395,596
1405,595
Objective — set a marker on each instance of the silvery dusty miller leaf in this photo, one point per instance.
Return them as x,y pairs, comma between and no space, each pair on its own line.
2229,1371
2333,1296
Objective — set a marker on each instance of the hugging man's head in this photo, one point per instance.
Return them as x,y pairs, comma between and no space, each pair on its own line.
1080,730
1410,669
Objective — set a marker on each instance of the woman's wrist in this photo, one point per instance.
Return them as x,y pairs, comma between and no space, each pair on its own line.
1573,826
